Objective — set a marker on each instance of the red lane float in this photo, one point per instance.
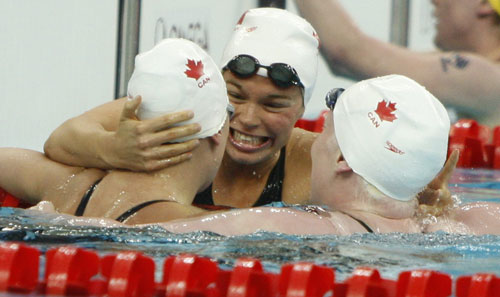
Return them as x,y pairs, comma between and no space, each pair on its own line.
8,200
74,271
69,269
128,274
18,267
313,125
478,285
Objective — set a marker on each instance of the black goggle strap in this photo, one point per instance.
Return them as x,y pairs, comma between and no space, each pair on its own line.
332,96
230,110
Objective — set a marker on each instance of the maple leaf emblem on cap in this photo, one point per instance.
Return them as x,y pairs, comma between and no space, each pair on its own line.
240,21
195,69
385,111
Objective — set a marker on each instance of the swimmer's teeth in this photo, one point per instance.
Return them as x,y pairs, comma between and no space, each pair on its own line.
247,139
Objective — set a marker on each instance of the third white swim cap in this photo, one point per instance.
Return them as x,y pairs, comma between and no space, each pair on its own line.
178,75
273,35
393,133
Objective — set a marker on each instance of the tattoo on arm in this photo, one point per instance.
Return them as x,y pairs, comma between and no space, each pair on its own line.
457,61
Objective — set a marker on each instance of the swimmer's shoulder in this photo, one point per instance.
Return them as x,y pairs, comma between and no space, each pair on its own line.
298,165
302,139
299,146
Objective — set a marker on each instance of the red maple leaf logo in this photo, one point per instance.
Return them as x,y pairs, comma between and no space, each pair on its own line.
240,21
195,69
315,35
385,111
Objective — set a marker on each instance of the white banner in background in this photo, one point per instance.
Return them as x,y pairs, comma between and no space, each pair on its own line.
187,27
209,23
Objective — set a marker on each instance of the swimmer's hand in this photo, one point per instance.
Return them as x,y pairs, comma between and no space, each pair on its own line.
436,198
143,145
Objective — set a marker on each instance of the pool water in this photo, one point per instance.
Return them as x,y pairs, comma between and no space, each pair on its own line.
390,253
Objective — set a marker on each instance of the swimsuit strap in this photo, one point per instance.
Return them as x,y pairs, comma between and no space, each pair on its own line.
204,198
85,199
271,193
361,223
274,186
124,216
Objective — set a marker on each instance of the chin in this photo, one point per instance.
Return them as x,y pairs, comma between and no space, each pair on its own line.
245,158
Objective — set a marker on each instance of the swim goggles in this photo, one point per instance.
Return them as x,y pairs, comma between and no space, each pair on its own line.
332,96
281,74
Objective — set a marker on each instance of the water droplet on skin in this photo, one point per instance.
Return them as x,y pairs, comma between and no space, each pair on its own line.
63,187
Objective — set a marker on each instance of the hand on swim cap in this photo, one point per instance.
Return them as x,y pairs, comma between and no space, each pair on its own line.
176,75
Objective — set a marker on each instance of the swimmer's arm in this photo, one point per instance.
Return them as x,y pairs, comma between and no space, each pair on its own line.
18,174
459,79
110,136
251,220
298,166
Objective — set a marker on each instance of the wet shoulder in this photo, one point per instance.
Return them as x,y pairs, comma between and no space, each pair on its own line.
298,165
300,142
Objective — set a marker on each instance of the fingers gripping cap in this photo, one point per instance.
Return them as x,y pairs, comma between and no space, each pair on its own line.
178,75
496,5
393,133
274,35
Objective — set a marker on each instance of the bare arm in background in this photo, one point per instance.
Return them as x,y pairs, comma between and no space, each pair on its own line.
110,136
461,79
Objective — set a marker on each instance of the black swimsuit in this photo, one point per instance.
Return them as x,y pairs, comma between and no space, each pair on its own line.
271,193
85,199
362,224
124,216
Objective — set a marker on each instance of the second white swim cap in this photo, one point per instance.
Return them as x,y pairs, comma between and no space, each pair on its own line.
273,35
393,133
176,75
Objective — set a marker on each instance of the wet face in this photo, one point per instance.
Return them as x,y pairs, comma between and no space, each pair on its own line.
454,19
264,117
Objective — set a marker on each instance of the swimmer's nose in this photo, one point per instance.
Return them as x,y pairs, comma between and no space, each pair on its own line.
248,115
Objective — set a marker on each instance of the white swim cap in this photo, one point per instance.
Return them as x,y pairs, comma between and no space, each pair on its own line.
393,133
178,75
273,35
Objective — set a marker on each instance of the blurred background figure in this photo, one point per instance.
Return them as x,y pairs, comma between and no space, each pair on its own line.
464,75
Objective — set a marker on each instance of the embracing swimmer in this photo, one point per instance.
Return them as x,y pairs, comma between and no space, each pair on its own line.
175,75
377,167
270,67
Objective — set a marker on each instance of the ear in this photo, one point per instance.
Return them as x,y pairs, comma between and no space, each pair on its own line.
341,166
217,137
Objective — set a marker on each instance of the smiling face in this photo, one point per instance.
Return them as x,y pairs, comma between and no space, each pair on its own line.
454,19
264,117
